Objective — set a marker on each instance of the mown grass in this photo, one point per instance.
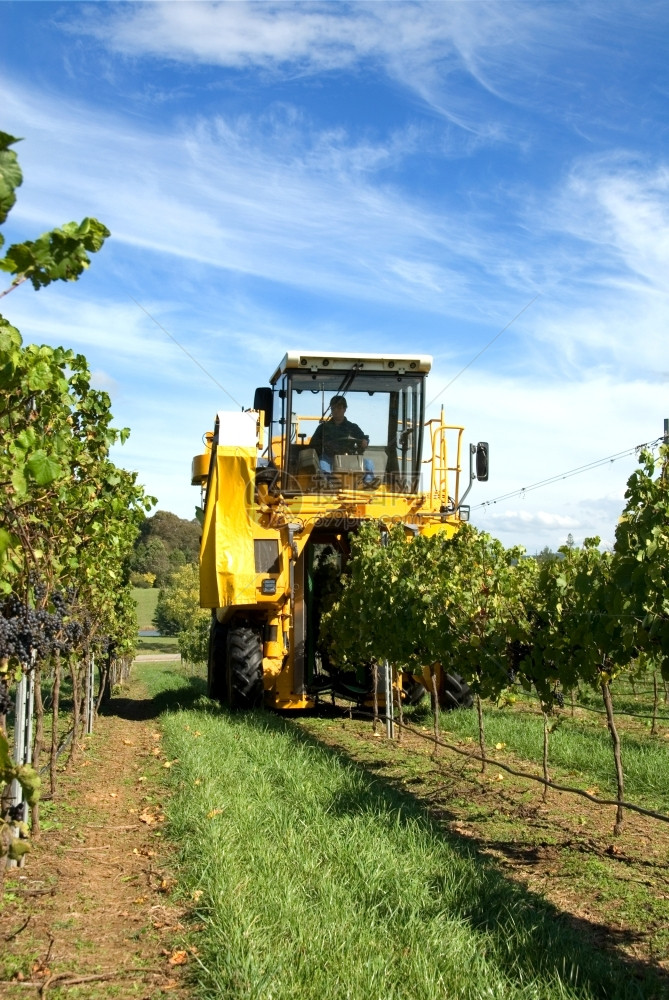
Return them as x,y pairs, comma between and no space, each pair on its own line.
146,600
580,748
314,880
637,701
161,644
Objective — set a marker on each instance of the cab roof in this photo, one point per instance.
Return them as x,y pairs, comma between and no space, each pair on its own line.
339,361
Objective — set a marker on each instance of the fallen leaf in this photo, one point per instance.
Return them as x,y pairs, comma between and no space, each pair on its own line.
198,781
197,894
128,743
140,900
155,736
499,746
178,958
147,817
214,812
113,795
500,777
171,984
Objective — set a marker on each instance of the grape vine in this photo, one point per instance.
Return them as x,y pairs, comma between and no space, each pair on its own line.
68,515
497,617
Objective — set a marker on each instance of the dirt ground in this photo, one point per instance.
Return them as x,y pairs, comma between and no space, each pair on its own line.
89,914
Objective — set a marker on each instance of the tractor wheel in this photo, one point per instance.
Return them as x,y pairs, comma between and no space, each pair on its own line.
243,674
413,690
218,638
455,693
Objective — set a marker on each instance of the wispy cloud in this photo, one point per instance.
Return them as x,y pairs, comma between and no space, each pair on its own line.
228,194
247,227
428,48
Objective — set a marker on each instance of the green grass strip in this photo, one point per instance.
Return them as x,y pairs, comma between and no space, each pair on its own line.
319,881
146,600
578,747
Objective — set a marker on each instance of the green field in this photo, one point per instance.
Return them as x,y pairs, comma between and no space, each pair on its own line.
157,644
146,601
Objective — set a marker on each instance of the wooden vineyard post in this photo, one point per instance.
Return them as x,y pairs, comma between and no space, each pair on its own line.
615,739
479,712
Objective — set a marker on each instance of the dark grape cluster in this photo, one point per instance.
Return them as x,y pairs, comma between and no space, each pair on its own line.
517,654
559,697
27,632
5,700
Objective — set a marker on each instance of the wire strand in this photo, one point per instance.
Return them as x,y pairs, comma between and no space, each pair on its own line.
187,353
482,351
568,475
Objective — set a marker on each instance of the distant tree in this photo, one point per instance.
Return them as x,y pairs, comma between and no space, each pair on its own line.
165,544
177,559
178,612
547,555
152,557
175,532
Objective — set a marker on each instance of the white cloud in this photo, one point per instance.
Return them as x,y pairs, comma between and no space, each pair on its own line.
313,36
248,234
538,430
287,215
299,209
429,48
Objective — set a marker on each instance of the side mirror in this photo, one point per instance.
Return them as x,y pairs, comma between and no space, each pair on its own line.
263,399
482,461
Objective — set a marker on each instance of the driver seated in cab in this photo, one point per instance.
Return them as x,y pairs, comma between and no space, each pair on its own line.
339,436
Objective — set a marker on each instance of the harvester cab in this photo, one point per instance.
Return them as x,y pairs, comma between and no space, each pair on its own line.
334,441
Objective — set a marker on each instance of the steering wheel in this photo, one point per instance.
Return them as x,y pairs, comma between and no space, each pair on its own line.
349,446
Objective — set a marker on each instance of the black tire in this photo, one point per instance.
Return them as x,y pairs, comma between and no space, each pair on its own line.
456,693
414,691
218,640
243,674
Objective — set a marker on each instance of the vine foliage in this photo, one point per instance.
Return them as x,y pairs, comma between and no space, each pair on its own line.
497,617
68,515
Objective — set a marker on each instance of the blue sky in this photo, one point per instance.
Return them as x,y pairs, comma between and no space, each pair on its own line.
377,177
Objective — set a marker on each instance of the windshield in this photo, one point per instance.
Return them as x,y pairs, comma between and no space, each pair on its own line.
351,430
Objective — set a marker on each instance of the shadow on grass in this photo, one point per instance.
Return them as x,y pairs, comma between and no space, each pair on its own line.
170,699
544,940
